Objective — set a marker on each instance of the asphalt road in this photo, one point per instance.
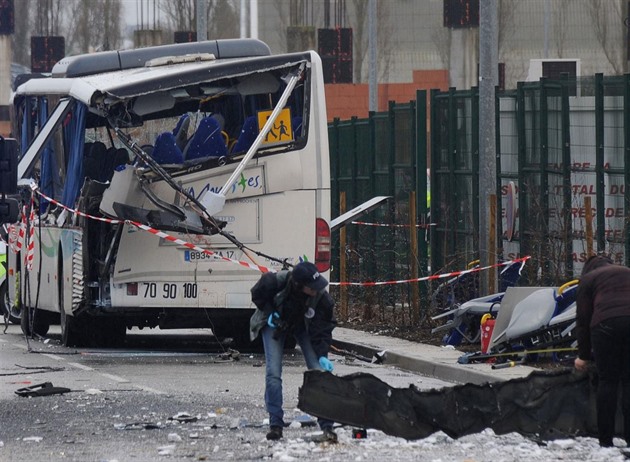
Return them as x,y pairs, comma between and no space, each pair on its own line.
177,395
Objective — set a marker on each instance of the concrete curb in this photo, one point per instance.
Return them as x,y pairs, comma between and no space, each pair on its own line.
429,360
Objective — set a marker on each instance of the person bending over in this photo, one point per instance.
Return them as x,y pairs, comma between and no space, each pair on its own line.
603,328
294,303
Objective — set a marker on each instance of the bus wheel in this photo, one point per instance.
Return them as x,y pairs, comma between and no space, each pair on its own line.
9,310
34,321
70,332
117,332
108,332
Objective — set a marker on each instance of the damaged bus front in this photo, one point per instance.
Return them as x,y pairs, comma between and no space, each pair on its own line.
161,182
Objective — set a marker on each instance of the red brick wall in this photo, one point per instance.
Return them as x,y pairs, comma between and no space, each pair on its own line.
345,100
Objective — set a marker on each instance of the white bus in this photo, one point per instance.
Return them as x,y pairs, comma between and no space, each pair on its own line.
162,182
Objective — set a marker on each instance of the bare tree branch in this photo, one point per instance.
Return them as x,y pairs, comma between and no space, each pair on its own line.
180,15
603,14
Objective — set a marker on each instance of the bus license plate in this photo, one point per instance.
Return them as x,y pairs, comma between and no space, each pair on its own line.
196,255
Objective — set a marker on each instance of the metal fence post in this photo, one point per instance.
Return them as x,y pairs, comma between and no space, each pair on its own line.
544,176
599,163
497,144
413,259
566,172
436,201
626,164
451,239
421,190
522,188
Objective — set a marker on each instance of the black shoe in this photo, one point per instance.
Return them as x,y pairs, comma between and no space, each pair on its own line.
329,435
274,433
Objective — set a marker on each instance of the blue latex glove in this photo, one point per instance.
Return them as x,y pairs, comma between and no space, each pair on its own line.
270,321
325,363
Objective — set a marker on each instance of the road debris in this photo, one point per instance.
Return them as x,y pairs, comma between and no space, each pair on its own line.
41,389
183,417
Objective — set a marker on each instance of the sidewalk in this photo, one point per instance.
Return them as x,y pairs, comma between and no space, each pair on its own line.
433,361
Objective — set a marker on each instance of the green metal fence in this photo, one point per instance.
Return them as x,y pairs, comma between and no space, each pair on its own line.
383,155
560,144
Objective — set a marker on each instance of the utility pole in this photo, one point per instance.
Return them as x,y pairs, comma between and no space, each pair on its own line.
372,73
253,19
488,80
202,20
243,23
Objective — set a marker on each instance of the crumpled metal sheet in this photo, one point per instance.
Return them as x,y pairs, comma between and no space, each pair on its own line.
545,405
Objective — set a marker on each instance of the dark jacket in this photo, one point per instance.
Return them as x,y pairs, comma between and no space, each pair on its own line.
603,293
275,292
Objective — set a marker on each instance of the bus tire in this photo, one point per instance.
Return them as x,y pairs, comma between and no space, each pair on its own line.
70,331
25,322
9,310
108,332
33,321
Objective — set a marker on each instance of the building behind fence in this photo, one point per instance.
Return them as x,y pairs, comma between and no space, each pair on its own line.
563,163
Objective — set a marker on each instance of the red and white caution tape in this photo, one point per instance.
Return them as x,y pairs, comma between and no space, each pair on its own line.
30,245
21,231
188,245
14,242
158,233
391,225
430,278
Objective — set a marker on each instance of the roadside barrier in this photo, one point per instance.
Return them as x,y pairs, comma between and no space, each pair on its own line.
262,269
392,225
432,277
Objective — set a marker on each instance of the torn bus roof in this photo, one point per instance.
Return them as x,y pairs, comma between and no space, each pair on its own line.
129,83
544,405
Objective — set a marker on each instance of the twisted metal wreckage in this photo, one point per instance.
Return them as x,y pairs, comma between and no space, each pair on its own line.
543,406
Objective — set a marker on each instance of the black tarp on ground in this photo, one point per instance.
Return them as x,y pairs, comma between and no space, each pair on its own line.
545,405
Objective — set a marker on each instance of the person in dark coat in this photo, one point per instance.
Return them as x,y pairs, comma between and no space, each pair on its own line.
292,303
603,335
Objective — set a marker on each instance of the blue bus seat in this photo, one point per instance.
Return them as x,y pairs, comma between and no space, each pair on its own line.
247,136
181,131
166,150
208,141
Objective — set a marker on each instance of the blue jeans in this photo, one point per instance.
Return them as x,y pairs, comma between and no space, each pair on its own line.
274,349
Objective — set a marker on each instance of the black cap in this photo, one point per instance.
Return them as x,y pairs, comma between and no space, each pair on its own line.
306,273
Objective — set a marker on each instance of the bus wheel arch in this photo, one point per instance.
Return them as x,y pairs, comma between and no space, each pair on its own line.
70,329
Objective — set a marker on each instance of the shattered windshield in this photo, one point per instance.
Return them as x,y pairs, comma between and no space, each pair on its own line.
211,119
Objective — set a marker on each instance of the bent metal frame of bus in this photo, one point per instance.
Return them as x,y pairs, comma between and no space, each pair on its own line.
160,182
